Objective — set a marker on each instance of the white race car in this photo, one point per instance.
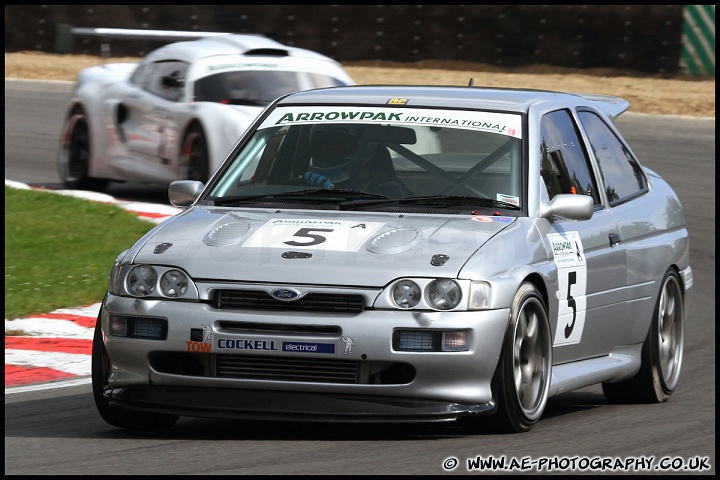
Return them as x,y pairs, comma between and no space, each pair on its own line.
177,113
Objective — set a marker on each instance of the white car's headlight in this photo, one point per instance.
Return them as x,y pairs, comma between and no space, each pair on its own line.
152,281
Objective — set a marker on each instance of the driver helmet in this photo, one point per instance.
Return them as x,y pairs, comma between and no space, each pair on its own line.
337,151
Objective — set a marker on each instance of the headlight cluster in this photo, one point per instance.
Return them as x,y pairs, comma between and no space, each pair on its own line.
152,281
440,294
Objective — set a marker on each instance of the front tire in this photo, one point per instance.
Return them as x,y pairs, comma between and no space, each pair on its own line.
194,156
522,379
662,351
128,419
75,154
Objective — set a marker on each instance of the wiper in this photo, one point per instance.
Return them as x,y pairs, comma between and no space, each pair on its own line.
434,201
367,202
339,195
445,201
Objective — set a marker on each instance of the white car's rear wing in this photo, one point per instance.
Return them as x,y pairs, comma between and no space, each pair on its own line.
171,35
106,34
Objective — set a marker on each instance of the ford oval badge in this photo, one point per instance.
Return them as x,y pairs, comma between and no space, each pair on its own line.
286,294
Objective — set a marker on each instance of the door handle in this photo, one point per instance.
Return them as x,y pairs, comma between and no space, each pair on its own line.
614,239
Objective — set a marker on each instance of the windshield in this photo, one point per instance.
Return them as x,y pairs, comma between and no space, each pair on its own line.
409,155
248,87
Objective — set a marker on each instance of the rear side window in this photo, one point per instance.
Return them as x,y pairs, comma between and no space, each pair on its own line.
564,165
621,173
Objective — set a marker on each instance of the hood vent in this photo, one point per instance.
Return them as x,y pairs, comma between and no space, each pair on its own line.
395,241
227,234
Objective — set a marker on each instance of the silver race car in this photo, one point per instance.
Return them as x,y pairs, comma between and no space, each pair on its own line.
176,114
403,254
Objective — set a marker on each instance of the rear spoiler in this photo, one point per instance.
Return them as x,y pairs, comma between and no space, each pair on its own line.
169,35
612,106
66,34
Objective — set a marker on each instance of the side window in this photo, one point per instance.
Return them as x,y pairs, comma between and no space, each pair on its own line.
622,174
564,165
141,74
212,88
168,80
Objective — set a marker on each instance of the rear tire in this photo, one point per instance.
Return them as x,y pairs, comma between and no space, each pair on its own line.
194,157
116,417
662,351
75,154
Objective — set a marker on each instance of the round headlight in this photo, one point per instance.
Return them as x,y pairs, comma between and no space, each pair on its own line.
445,294
142,280
173,283
406,294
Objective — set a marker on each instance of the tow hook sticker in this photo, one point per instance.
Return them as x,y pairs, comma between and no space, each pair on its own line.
201,340
348,344
207,334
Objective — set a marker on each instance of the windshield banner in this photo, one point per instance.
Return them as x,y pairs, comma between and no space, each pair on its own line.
504,124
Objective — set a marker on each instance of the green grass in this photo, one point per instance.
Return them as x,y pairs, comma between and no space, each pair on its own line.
59,249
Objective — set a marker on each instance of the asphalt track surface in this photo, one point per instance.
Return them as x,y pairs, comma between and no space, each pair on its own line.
52,427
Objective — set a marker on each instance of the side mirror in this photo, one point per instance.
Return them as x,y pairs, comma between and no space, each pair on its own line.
570,207
183,193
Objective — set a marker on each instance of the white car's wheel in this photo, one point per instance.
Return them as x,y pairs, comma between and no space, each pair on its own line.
194,157
523,375
100,367
74,155
662,351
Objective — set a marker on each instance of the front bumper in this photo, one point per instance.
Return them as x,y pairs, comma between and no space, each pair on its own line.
236,404
443,385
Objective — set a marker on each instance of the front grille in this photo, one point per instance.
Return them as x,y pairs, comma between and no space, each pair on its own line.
282,369
312,302
239,328
287,369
